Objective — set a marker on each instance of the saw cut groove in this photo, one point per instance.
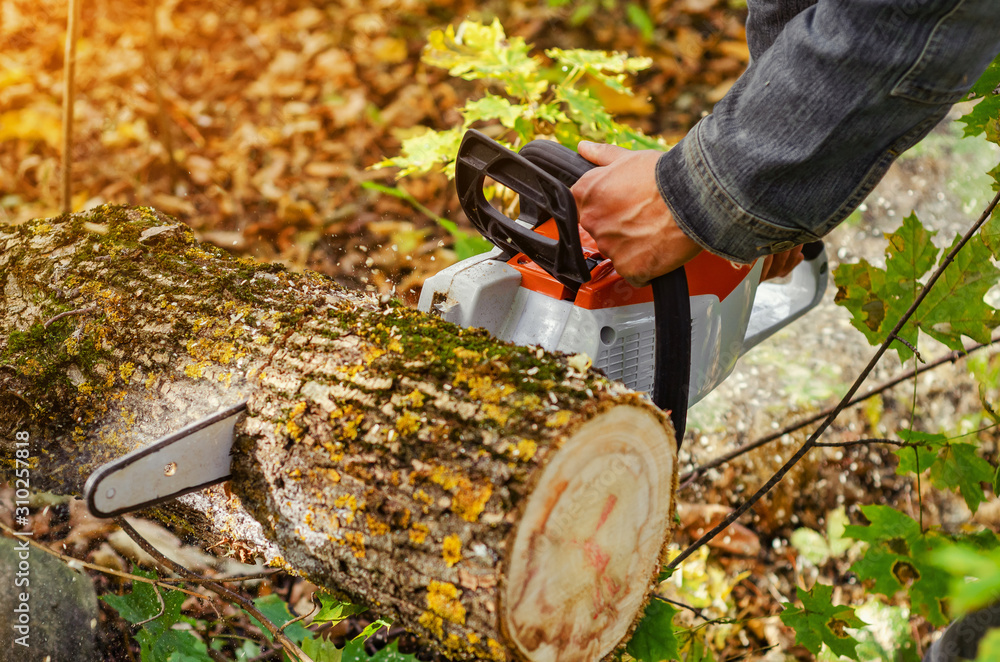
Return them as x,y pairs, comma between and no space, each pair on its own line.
590,539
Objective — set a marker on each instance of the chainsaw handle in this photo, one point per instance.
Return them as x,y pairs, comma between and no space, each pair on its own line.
542,196
559,161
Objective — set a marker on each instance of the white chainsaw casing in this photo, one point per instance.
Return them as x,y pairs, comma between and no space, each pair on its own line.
484,291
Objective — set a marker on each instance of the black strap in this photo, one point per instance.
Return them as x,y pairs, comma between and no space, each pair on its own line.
672,306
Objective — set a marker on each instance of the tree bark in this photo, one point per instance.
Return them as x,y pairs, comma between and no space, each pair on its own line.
500,502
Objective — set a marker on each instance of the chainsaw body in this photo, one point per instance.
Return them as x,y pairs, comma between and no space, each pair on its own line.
588,307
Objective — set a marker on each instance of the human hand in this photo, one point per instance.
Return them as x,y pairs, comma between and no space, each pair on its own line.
781,264
621,207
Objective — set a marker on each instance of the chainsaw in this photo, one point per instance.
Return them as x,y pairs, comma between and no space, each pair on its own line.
546,283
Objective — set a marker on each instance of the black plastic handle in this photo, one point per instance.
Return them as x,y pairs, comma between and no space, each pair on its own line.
542,196
542,174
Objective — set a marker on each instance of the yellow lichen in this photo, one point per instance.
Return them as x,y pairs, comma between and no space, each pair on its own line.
473,638
432,623
408,423
357,542
451,550
496,650
416,399
525,450
376,527
445,477
469,500
466,354
559,419
418,533
195,370
442,599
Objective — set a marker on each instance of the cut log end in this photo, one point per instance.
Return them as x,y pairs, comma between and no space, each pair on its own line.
590,540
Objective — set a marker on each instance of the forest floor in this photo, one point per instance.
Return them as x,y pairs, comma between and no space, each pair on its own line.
256,124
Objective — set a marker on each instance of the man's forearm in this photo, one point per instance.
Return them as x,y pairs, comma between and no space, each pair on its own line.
817,119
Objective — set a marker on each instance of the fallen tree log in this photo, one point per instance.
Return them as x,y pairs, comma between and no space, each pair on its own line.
500,502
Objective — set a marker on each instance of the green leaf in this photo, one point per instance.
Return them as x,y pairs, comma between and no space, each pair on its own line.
158,642
430,151
276,610
608,67
963,563
587,112
654,640
354,651
953,465
878,298
333,610
983,118
989,647
989,234
492,107
922,455
817,548
959,466
988,82
476,51
820,622
179,646
638,17
322,650
897,559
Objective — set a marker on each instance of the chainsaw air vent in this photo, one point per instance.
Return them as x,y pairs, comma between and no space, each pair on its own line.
629,359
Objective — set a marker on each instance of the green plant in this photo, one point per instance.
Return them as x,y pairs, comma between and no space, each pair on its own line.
164,635
526,96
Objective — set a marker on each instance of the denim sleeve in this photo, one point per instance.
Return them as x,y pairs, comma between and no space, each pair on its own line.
819,116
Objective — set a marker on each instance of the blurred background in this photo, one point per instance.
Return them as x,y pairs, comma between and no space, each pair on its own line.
254,122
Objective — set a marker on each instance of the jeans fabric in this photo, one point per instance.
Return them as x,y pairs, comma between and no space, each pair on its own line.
835,91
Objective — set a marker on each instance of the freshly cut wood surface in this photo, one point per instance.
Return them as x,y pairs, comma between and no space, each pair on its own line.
589,539
498,501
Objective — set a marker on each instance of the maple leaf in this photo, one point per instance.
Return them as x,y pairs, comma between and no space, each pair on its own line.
477,51
897,559
955,307
985,115
820,622
953,465
607,67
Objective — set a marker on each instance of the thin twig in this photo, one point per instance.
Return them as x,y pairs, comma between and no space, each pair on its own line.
75,562
232,596
862,442
683,605
78,311
814,437
238,578
951,357
299,618
163,608
69,94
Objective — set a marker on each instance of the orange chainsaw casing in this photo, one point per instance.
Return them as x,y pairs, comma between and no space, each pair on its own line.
706,274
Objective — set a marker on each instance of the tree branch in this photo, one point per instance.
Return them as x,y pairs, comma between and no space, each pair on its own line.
818,432
232,596
951,357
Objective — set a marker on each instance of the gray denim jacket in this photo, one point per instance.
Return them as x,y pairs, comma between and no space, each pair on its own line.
835,91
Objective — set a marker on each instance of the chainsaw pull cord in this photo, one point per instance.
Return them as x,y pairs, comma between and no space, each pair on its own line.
672,309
